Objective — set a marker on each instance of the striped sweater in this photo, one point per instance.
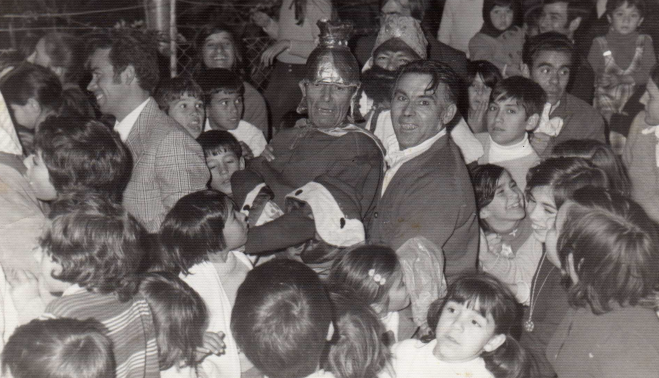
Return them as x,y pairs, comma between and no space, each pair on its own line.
129,326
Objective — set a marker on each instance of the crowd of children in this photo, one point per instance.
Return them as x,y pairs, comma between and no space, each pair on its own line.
567,273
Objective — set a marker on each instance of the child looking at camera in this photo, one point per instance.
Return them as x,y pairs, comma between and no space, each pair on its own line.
515,107
223,97
182,99
499,41
473,326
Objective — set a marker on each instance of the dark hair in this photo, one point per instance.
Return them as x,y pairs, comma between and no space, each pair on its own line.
613,243
193,229
485,294
550,41
215,80
564,176
32,81
439,72
612,5
602,156
214,142
575,8
352,269
378,83
173,89
130,48
200,39
59,348
485,179
67,52
179,317
98,244
357,349
525,91
488,71
281,318
515,5
84,155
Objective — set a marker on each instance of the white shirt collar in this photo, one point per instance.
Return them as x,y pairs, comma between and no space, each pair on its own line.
126,125
499,153
396,158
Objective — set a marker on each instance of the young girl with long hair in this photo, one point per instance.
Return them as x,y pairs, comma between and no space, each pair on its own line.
472,338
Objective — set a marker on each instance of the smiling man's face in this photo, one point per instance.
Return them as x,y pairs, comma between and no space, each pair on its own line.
418,113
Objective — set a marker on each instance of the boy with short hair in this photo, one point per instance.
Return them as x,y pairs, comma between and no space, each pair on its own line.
282,319
75,155
182,99
516,104
223,97
89,255
65,348
224,156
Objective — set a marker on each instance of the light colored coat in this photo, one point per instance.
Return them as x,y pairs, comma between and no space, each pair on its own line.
167,164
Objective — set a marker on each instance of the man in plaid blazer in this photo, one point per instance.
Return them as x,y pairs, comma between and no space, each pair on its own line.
167,162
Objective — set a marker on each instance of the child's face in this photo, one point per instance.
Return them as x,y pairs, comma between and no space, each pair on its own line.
625,19
507,204
651,101
222,165
39,178
507,121
542,211
47,267
188,111
225,110
502,17
235,230
479,92
463,333
551,242
399,298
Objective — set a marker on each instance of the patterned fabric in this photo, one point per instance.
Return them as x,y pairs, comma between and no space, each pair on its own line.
612,100
407,29
167,164
129,326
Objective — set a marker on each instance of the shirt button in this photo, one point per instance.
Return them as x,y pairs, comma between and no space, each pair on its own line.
375,215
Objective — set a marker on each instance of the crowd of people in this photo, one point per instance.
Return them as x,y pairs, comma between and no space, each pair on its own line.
478,201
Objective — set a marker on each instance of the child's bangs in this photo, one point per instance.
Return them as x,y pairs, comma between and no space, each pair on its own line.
478,297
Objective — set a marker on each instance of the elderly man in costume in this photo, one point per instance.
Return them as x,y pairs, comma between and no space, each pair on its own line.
326,172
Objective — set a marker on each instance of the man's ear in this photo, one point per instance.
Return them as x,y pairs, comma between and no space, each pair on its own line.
574,25
128,74
242,163
449,113
495,342
526,71
532,122
640,22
